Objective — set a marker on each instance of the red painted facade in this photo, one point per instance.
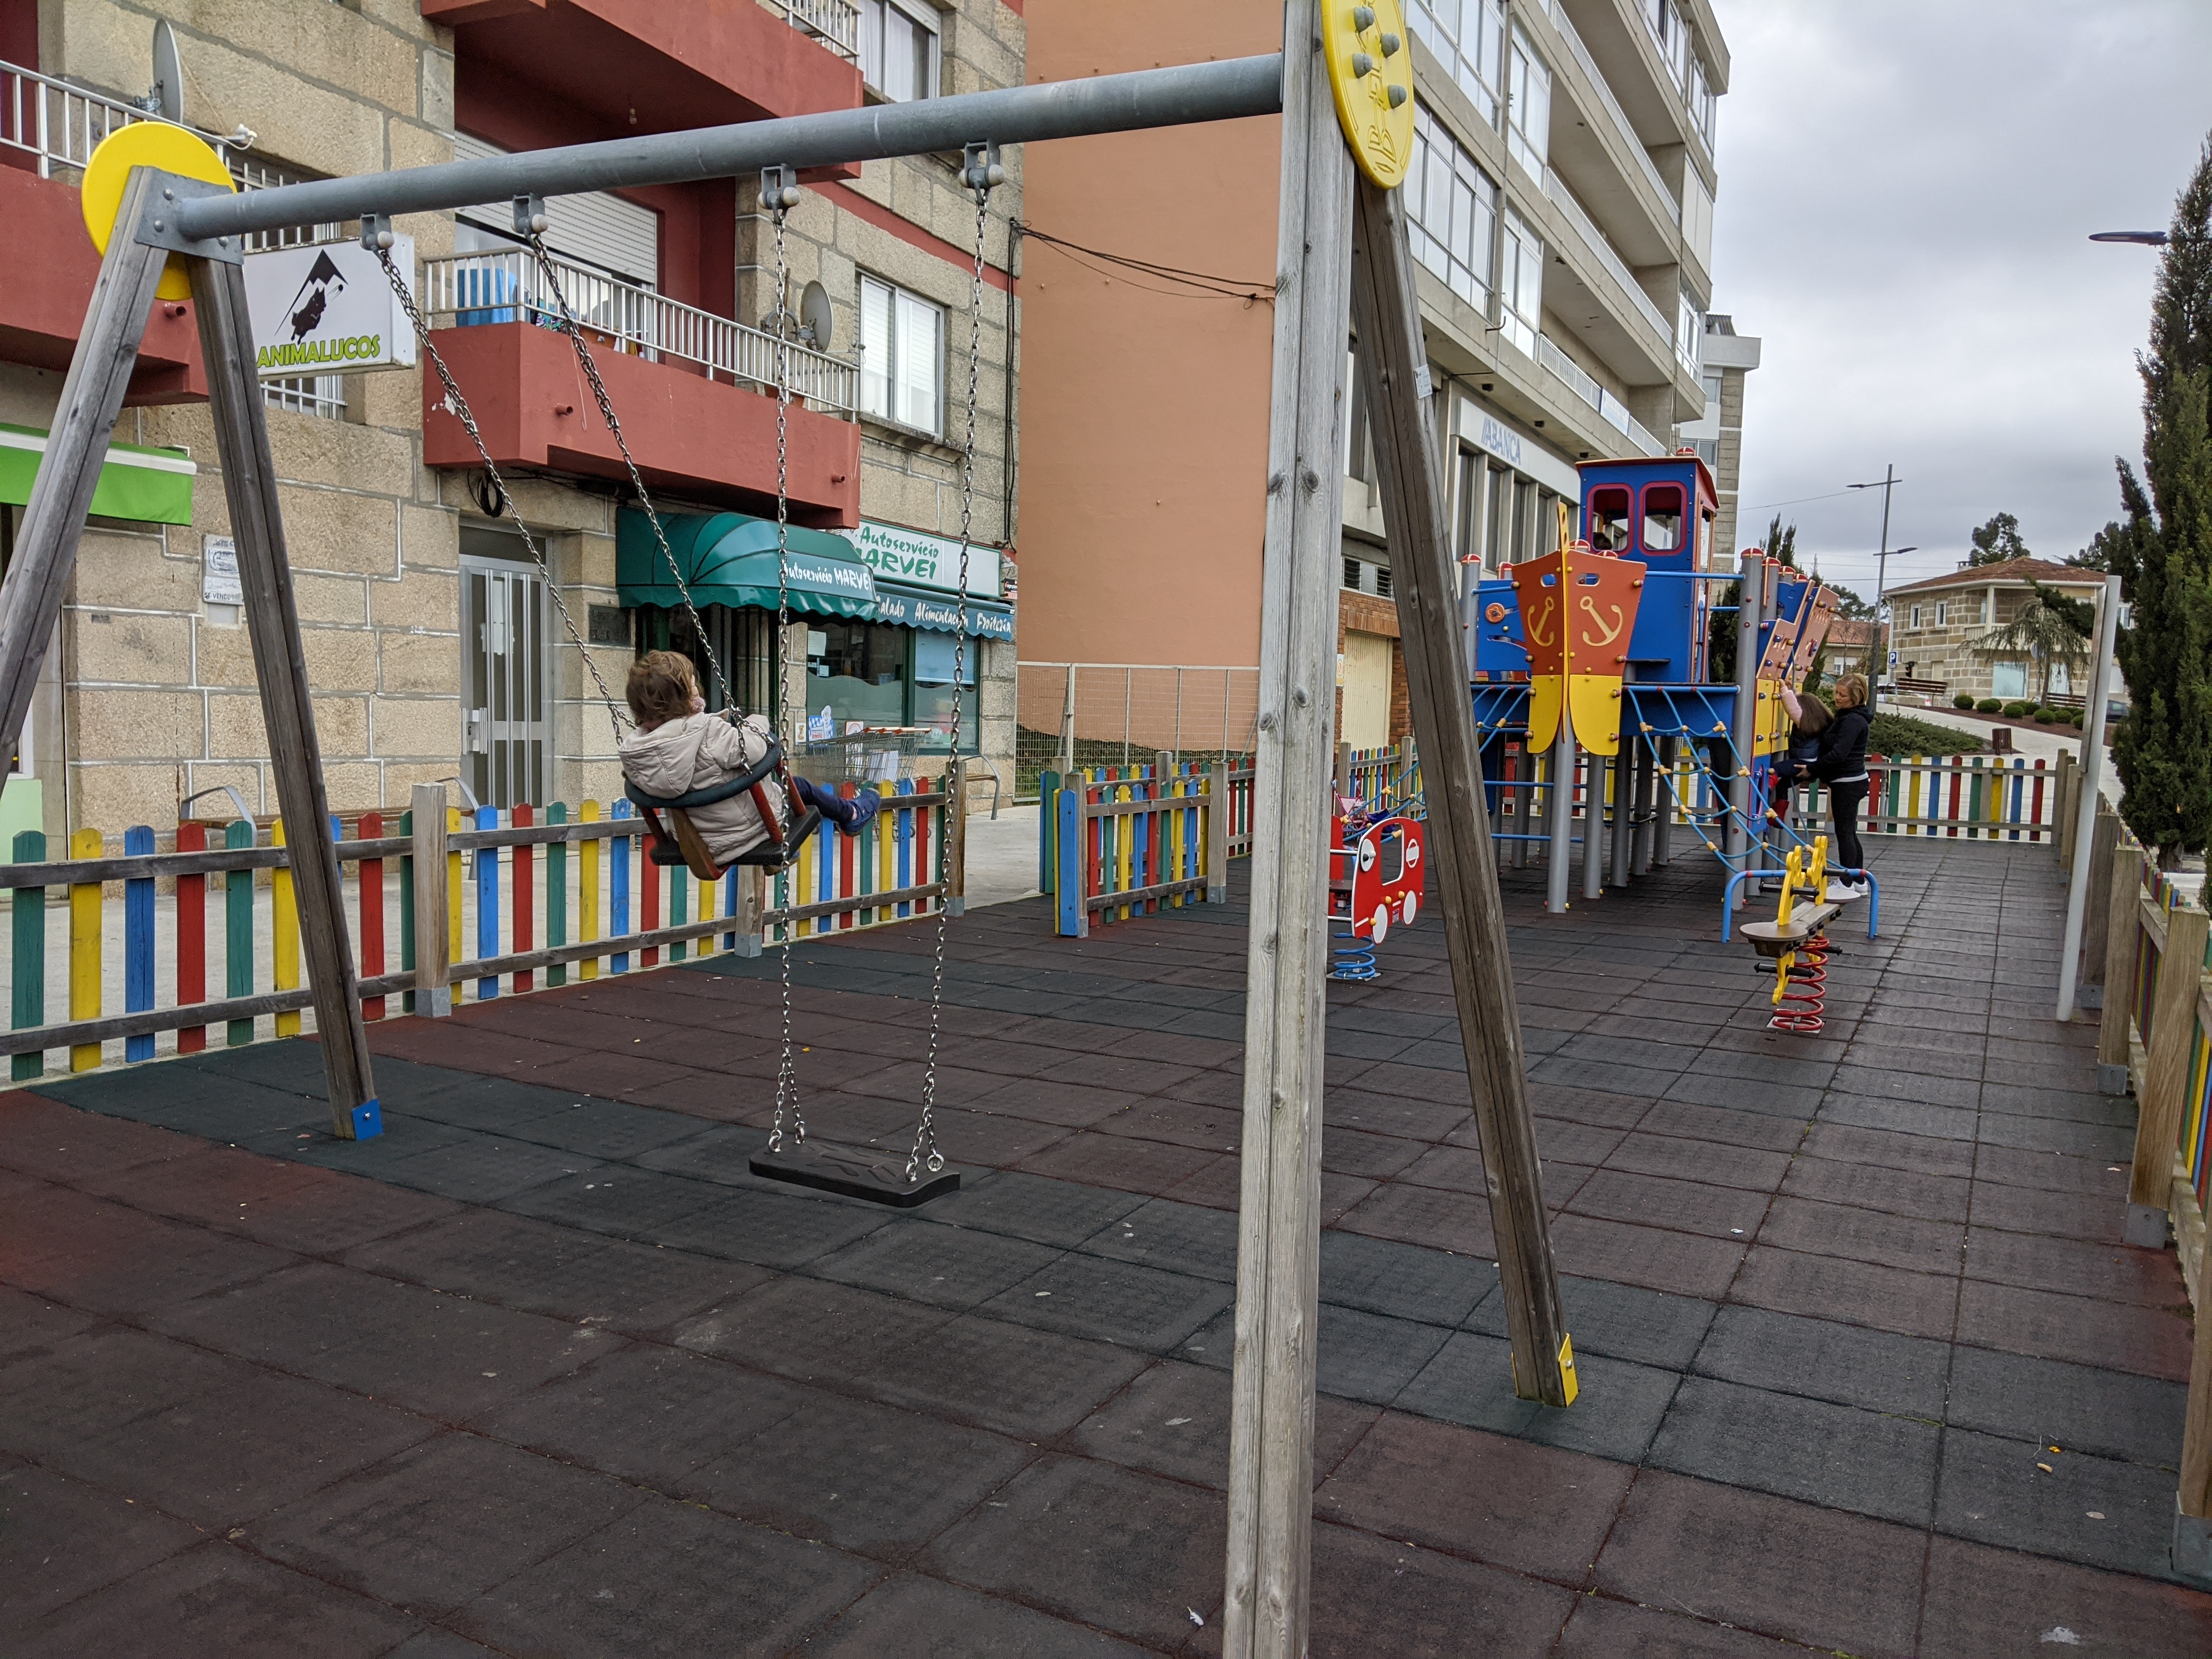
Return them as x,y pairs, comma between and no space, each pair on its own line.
645,65
44,300
693,437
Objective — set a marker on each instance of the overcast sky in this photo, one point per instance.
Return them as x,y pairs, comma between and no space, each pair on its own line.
1905,189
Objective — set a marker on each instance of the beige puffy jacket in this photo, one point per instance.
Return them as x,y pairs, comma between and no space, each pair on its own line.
697,752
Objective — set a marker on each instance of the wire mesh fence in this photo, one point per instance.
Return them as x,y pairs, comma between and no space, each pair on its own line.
1074,715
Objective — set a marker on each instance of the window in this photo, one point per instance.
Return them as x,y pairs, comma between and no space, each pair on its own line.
1469,36
1608,520
857,671
1662,517
1528,106
1352,575
2008,679
901,357
1701,100
1690,329
1942,612
1453,206
935,663
1914,623
1520,281
898,49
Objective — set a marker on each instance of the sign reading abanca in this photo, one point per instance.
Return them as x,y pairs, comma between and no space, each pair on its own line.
327,309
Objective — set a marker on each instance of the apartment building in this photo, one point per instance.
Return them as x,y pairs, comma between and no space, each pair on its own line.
435,645
1562,202
1717,437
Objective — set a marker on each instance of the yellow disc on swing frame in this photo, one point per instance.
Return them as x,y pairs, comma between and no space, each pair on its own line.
146,144
1370,71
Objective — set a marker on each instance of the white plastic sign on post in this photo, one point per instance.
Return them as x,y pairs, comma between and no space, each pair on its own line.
327,309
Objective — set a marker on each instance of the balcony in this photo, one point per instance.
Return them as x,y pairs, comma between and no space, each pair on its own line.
620,67
47,130
687,386
1610,409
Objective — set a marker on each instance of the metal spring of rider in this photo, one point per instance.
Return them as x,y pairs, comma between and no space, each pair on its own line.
1800,1006
1351,957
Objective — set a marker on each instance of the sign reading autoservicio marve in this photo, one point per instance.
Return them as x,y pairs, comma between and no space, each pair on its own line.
924,561
327,310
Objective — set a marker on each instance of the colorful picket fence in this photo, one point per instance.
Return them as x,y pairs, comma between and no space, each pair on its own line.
1125,842
1965,797
1389,776
540,895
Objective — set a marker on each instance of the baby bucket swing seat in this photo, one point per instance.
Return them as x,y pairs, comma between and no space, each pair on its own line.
676,840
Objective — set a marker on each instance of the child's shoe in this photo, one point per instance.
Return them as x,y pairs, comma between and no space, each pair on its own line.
865,805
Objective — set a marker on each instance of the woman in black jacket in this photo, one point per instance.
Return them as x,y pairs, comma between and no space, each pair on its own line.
1842,767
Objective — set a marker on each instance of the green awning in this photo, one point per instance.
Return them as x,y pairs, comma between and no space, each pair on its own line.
152,486
730,558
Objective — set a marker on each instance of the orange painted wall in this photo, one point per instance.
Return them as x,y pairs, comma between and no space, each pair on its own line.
1144,414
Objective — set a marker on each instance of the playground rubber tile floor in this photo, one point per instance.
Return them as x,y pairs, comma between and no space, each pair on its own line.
894,1389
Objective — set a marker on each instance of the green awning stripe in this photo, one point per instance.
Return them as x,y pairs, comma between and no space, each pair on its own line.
731,558
148,486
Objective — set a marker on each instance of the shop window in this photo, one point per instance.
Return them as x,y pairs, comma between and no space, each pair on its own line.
901,358
1662,517
899,49
935,668
857,671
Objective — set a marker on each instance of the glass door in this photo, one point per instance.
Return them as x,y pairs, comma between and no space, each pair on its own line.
503,716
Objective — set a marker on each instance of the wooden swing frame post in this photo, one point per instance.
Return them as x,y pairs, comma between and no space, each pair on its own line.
138,248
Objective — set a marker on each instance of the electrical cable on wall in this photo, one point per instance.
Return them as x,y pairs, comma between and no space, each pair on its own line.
1206,286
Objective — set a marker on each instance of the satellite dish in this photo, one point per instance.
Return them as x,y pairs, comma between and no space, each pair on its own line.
816,320
166,100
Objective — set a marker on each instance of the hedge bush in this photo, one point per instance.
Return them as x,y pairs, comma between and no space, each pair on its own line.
2076,718
1962,701
1988,706
2016,711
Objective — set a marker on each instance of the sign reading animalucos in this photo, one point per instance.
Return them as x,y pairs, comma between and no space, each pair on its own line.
327,310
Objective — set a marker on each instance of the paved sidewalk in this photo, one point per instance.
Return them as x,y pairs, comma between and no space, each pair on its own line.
1865,1367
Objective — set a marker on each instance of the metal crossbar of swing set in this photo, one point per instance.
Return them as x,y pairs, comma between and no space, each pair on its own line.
1181,95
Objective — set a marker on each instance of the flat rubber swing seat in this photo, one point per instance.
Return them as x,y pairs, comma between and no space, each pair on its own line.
1774,939
873,1177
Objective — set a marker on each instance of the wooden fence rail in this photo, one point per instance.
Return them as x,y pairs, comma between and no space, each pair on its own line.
2155,1038
503,902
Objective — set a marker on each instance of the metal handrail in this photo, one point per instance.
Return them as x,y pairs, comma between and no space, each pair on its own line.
836,23
464,290
59,124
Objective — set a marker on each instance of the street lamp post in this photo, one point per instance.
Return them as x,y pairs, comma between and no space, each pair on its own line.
1888,483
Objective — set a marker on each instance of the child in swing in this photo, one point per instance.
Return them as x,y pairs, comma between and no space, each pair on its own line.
678,748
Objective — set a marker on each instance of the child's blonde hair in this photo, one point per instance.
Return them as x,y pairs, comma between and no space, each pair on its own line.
662,684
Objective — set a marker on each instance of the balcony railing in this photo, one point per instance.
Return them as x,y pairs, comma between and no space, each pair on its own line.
59,126
1610,409
835,23
1620,122
466,290
1602,252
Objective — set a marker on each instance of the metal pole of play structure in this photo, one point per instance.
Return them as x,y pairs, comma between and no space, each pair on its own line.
1560,803
2092,754
1743,730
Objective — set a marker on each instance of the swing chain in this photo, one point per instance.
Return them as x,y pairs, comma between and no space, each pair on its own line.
980,171
569,326
458,406
780,191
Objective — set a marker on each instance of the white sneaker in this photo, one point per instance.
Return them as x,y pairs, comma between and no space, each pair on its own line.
1841,891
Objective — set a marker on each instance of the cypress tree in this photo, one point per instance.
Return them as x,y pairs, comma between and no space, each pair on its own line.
2163,549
